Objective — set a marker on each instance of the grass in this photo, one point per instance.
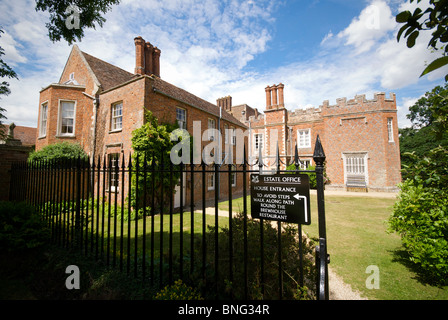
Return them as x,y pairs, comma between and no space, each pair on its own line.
357,238
40,273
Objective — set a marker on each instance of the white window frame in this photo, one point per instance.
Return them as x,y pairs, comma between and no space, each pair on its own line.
113,117
233,176
359,155
114,174
305,163
258,141
232,136
307,140
226,133
211,181
43,119
181,122
390,129
211,129
60,118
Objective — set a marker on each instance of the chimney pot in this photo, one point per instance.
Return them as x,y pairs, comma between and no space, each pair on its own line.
268,97
139,55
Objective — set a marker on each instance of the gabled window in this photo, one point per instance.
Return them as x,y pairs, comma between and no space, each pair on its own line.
181,117
43,120
117,116
66,118
304,138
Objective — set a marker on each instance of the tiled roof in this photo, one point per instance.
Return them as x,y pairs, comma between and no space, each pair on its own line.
25,134
185,96
107,74
111,76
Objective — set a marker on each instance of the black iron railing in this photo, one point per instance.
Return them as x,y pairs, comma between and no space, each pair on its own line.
121,212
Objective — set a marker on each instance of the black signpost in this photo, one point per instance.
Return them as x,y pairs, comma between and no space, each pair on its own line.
281,197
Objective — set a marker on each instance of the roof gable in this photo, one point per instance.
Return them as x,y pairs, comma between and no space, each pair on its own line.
108,75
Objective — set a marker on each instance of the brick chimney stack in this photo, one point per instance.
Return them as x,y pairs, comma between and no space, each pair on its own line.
139,55
281,100
147,58
268,98
225,103
274,96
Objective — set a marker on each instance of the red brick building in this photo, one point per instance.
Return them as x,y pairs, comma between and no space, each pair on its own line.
98,105
359,137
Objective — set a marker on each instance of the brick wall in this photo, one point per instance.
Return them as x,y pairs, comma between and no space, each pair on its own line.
9,155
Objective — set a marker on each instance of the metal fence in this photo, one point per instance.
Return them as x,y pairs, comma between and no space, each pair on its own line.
123,212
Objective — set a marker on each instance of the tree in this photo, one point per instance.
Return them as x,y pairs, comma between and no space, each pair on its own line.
420,214
152,143
431,111
69,18
5,71
435,19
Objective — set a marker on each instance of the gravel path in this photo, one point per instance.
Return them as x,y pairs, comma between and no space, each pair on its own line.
339,290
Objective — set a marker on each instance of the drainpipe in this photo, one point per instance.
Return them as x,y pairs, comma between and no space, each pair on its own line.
96,104
219,153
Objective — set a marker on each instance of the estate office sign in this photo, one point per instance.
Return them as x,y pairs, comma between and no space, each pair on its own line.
281,197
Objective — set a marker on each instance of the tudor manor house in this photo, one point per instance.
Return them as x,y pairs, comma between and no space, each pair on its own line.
98,105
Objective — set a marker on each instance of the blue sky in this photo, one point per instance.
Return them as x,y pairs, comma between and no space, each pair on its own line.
320,49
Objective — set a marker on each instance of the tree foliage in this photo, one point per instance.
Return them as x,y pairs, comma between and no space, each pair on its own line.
432,110
435,19
70,18
420,215
152,147
5,72
59,151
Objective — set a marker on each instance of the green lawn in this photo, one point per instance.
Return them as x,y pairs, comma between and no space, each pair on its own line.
357,238
168,224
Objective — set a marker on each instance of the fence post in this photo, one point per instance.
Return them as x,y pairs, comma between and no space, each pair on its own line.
78,203
321,250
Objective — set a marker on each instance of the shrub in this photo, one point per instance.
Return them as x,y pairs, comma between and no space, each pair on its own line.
421,215
178,291
234,289
59,151
21,227
312,175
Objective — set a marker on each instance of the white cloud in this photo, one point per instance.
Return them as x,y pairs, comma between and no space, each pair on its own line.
12,49
403,110
206,46
374,22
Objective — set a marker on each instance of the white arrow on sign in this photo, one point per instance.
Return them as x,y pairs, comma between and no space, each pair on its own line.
298,197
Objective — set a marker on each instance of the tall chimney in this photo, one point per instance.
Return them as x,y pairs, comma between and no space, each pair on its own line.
156,61
281,101
148,58
268,97
274,95
139,55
